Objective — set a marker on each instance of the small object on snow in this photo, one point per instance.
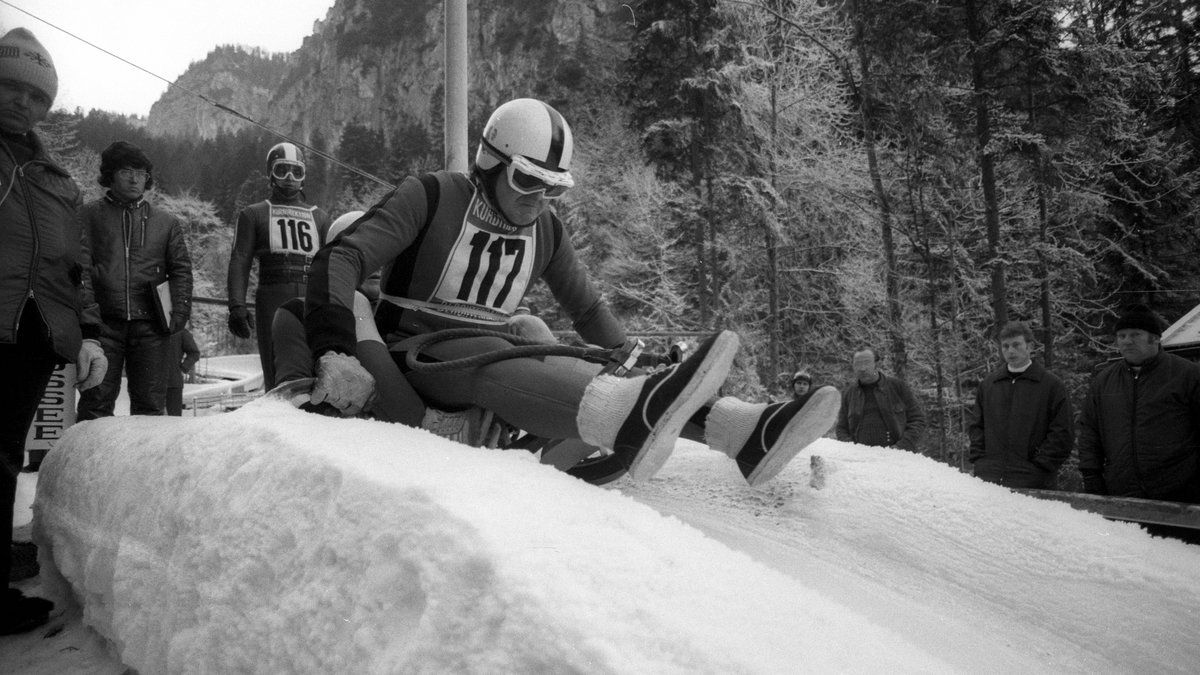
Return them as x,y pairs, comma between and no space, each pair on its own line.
816,478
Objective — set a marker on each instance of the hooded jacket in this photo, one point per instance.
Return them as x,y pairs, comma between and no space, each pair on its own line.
1020,427
1141,430
44,254
135,247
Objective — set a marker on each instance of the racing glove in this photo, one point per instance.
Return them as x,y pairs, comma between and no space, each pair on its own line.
239,322
91,365
343,383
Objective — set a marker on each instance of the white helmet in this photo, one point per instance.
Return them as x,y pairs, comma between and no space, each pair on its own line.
340,224
528,128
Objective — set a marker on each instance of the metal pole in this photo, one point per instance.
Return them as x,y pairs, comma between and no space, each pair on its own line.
455,132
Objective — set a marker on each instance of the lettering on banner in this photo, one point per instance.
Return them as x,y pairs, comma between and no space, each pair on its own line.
55,412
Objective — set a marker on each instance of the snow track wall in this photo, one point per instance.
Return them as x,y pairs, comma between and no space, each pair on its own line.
268,540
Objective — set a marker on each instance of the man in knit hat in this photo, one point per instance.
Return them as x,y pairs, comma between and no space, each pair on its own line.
1139,428
47,312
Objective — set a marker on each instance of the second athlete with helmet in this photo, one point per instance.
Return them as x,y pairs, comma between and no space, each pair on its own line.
461,250
283,233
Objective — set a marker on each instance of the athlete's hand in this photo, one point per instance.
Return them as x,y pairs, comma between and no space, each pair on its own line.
343,383
91,365
239,322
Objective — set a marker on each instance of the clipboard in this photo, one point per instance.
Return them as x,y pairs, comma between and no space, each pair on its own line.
160,297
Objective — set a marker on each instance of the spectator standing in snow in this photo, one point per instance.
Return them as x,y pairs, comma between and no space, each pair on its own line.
47,312
282,233
1139,427
135,246
461,250
878,409
1021,423
182,356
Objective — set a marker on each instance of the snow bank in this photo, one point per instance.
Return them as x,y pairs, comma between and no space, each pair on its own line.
269,540
986,579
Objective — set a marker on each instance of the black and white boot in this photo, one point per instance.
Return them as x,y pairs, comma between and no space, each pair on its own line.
640,418
762,437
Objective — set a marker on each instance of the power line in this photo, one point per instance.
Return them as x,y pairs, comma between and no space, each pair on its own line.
202,97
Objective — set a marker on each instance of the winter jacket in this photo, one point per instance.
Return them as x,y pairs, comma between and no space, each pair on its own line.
135,247
1021,427
1140,431
449,260
43,252
902,413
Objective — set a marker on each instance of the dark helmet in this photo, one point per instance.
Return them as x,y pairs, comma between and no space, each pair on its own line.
289,176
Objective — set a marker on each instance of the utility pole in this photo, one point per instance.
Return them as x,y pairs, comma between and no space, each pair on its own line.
455,127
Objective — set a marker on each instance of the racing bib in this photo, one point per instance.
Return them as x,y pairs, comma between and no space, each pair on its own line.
292,229
489,265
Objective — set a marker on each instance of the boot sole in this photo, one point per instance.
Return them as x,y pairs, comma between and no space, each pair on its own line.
702,386
816,418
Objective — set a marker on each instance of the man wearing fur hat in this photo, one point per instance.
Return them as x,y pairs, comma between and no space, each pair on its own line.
1139,431
47,313
135,247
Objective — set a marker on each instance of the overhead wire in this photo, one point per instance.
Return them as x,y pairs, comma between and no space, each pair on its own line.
220,106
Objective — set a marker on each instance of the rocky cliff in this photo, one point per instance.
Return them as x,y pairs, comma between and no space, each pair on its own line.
378,64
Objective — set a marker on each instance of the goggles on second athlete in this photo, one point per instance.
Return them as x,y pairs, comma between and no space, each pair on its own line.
283,170
527,178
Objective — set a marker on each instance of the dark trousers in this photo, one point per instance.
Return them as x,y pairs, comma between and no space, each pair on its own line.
267,299
137,349
25,369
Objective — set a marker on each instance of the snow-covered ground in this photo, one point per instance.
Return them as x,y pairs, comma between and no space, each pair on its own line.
269,540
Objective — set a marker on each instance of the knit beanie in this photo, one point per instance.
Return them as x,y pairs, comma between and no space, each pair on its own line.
24,59
1139,317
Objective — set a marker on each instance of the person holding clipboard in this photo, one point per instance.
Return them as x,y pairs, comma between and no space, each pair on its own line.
142,275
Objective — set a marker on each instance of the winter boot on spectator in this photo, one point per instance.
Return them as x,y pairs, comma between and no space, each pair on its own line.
762,437
19,614
639,418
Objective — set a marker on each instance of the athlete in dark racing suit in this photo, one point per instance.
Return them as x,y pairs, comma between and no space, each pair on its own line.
282,233
462,250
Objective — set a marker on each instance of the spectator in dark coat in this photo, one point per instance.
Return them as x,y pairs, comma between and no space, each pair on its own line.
1021,423
1139,429
878,409
47,313
135,247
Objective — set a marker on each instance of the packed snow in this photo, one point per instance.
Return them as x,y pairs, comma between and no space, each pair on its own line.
270,540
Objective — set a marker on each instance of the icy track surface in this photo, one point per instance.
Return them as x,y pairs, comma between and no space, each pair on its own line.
268,540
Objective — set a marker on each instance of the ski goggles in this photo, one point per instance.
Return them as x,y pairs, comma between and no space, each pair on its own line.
528,178
284,170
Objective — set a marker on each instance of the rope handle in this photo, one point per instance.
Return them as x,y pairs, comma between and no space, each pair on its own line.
617,361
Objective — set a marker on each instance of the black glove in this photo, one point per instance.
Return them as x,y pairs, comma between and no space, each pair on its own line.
239,322
188,362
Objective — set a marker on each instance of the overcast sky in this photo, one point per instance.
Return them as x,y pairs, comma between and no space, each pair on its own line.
160,36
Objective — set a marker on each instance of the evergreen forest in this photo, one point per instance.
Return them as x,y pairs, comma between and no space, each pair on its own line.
820,176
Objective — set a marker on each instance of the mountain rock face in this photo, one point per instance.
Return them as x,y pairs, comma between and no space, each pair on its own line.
378,64
232,76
